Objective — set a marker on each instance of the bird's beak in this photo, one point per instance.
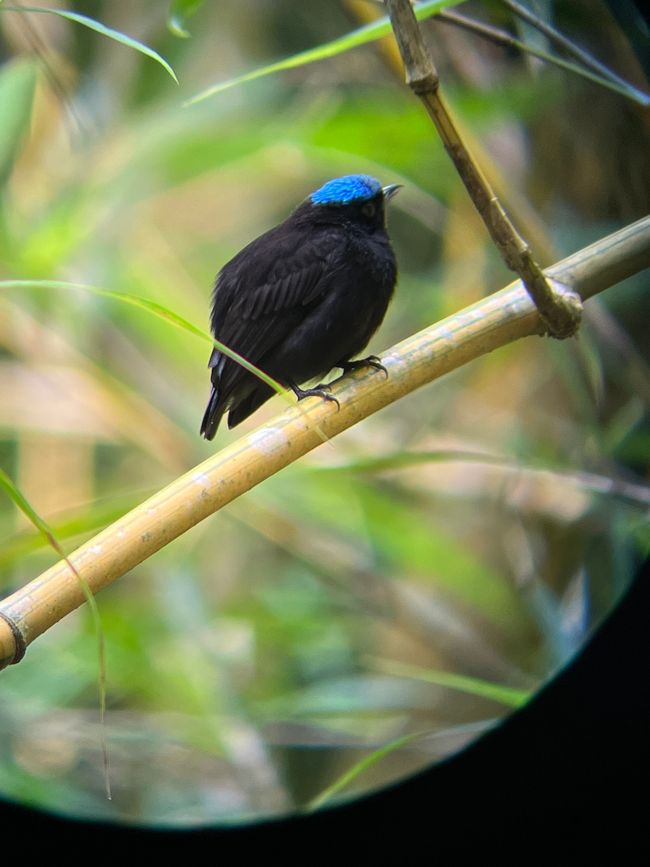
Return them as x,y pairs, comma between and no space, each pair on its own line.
390,191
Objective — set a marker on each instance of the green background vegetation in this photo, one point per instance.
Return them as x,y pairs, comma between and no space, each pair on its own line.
408,584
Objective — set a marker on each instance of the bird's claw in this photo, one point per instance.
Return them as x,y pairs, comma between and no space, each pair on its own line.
370,361
318,391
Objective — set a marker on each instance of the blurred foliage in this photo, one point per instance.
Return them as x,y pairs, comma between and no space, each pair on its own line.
360,611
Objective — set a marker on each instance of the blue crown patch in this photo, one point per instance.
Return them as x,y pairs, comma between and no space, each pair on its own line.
349,188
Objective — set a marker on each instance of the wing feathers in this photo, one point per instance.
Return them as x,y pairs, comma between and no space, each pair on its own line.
298,287
259,298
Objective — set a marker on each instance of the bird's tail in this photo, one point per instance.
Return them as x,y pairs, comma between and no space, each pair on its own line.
247,405
213,414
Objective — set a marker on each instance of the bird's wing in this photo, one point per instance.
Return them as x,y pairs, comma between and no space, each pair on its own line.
260,295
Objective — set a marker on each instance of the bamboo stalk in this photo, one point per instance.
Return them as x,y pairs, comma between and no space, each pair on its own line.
493,322
533,227
559,307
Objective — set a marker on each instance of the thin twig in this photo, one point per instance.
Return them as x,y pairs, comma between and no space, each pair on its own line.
600,74
534,229
558,306
493,322
587,67
567,45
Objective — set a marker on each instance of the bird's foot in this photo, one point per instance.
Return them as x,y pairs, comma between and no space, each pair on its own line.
370,361
318,391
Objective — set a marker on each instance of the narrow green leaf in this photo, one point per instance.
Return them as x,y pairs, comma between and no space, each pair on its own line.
382,27
21,501
91,517
507,695
623,89
365,34
357,769
179,12
592,483
157,310
97,26
169,316
15,494
533,26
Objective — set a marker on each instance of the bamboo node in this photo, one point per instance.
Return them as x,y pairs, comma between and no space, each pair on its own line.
20,645
423,83
564,318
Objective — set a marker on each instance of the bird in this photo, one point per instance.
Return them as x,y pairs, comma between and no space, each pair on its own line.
303,298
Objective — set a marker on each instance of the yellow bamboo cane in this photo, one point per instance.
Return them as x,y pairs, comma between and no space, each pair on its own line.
497,320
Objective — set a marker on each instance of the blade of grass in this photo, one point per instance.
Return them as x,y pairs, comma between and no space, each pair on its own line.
98,27
15,494
381,27
361,36
594,71
574,50
91,517
507,695
157,310
169,316
594,483
357,769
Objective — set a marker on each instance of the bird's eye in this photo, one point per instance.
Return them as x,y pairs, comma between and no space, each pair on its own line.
368,210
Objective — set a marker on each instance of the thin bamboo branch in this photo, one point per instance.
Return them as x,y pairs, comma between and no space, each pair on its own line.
594,71
527,218
586,67
559,307
571,48
497,320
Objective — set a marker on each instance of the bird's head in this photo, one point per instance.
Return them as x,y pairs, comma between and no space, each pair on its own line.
356,198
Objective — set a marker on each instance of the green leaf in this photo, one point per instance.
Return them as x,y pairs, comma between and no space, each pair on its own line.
179,12
365,34
17,81
591,483
357,769
15,494
507,695
156,310
122,38
82,521
21,501
382,27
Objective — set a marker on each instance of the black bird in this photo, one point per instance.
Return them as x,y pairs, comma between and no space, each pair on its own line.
303,298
